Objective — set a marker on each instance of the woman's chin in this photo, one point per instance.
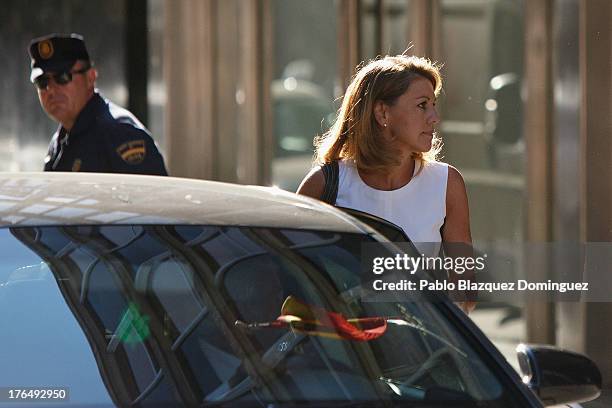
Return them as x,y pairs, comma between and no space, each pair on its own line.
425,147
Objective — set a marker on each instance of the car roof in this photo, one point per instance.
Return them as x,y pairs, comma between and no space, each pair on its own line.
93,198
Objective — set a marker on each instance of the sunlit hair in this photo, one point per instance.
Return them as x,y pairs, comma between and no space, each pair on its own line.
355,134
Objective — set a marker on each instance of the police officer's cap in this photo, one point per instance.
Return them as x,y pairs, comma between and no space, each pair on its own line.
56,53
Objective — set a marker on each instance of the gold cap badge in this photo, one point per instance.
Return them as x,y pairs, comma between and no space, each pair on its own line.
45,49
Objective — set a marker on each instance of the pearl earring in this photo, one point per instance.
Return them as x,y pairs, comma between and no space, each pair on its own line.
384,125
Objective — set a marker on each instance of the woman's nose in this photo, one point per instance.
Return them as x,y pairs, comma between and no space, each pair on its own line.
434,117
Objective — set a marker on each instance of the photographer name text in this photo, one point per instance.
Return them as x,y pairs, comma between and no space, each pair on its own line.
442,285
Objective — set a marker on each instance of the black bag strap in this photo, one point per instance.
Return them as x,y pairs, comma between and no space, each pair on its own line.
331,174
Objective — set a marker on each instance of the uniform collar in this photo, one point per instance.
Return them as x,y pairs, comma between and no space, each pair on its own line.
88,114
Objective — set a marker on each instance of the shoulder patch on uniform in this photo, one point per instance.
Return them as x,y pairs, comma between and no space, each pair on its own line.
133,152
76,165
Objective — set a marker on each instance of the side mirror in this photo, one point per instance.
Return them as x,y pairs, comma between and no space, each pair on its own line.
558,376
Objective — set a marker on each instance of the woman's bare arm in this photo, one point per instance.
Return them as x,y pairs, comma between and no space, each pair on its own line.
313,184
457,223
456,234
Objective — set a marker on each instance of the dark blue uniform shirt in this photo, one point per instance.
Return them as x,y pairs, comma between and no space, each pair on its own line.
105,138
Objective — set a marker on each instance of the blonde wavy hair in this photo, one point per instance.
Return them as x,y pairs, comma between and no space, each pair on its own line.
355,134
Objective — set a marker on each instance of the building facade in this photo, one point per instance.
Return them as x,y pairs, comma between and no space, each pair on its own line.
235,90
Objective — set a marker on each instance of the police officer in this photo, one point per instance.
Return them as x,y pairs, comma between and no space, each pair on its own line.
94,134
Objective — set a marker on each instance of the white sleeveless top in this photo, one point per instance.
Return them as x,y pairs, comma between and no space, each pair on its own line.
419,207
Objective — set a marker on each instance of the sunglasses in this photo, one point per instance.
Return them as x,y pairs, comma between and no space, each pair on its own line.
60,78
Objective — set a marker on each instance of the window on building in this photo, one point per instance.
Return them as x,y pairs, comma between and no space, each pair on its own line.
305,68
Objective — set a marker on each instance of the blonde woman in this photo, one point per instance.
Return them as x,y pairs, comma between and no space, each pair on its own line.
384,141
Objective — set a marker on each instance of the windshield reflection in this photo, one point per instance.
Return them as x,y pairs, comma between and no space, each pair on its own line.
192,314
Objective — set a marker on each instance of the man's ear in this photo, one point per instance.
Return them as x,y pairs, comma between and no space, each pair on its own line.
380,113
92,76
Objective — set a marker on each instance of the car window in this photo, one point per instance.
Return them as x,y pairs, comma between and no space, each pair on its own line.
191,314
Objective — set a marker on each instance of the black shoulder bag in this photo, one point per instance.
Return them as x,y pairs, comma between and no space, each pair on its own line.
331,174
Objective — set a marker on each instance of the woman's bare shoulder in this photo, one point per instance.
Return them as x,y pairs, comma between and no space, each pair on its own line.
313,184
455,179
456,194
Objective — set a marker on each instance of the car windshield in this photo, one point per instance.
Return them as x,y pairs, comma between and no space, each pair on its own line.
230,316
